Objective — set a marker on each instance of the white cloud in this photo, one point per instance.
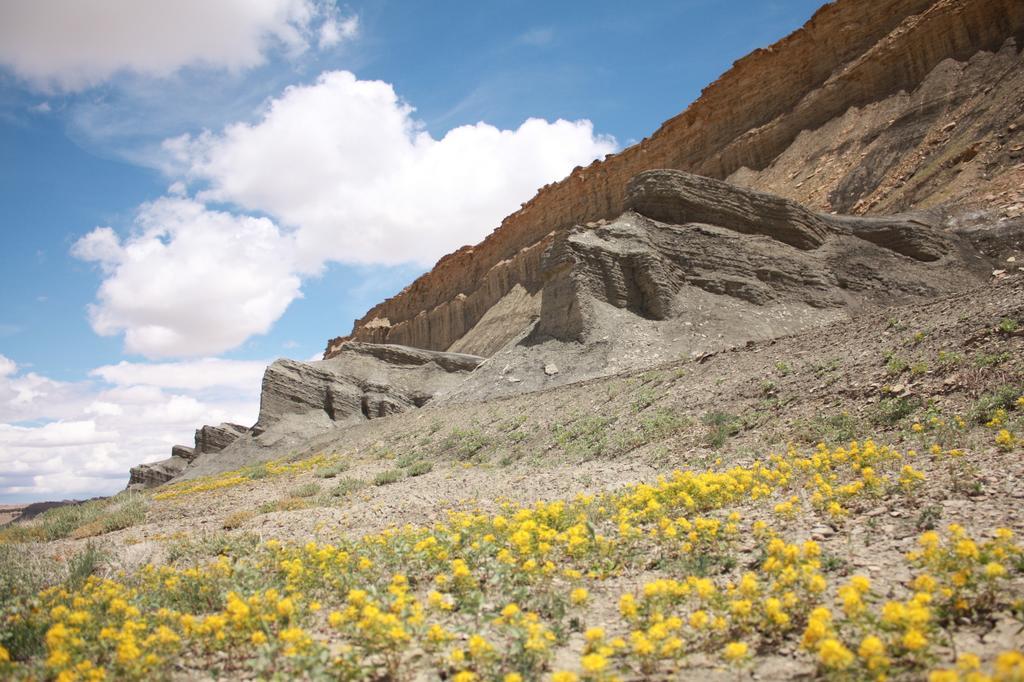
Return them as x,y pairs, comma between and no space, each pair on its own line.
60,439
195,375
347,174
333,31
345,163
7,366
190,281
71,44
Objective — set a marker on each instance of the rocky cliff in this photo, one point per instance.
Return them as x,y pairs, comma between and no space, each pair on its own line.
300,399
869,108
697,265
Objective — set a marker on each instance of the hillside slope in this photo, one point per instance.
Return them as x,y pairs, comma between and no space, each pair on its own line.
870,107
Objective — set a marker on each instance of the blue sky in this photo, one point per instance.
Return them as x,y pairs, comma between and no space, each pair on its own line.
193,189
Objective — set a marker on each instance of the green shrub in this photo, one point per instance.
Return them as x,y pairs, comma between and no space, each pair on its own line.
420,468
305,490
829,428
721,425
332,470
1008,325
83,565
584,438
407,459
890,411
465,443
1002,398
387,477
347,486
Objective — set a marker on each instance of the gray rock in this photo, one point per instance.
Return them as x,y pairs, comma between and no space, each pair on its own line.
690,237
183,451
216,438
300,399
157,473
362,381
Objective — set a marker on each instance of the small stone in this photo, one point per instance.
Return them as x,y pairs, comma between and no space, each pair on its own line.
514,380
822,532
551,369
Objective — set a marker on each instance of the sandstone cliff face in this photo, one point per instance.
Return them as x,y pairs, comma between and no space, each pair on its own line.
851,113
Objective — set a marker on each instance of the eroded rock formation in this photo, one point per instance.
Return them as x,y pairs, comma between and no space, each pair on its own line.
208,440
298,399
870,107
687,234
361,381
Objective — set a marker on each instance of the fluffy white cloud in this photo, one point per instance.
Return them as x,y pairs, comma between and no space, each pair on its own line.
194,375
347,174
71,44
190,280
61,440
345,163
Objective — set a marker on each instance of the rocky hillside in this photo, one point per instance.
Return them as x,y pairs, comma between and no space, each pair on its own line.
874,107
763,420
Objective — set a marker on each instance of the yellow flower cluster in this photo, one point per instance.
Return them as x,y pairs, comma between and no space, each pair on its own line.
491,596
234,478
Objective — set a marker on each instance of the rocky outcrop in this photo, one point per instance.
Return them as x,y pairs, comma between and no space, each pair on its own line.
361,381
696,266
184,452
883,107
208,440
211,439
689,233
298,399
157,473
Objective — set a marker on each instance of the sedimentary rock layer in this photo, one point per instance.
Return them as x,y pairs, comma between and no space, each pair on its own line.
690,234
853,62
361,381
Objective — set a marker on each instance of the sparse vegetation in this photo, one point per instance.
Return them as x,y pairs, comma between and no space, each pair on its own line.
79,520
584,438
895,365
419,468
890,411
305,490
388,476
1008,325
840,427
989,404
347,486
465,443
332,470
237,519
721,426
985,360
